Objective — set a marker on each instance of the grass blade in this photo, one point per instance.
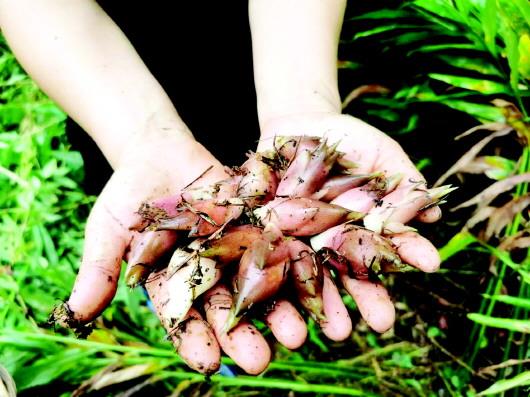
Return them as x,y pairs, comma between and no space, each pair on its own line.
523,379
500,322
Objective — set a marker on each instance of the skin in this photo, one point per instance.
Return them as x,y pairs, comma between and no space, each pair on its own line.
287,325
372,299
338,325
244,344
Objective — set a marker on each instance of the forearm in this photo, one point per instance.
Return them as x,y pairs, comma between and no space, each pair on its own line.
79,57
295,46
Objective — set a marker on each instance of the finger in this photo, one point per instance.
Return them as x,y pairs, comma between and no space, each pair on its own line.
373,302
338,325
417,251
244,344
287,325
430,215
193,338
106,238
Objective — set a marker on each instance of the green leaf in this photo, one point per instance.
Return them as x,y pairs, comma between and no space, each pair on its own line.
442,47
524,56
314,336
402,360
49,246
412,123
486,87
489,25
510,300
501,167
424,162
383,29
522,379
348,65
500,322
440,7
511,52
385,102
458,243
385,114
410,38
49,368
505,258
524,10
479,65
383,14
464,8
479,111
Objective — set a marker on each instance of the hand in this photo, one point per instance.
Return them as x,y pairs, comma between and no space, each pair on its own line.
159,162
371,150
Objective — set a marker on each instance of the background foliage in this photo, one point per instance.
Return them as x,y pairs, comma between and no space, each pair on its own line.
431,69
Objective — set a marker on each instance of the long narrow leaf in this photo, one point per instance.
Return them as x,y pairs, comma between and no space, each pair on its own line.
499,130
440,7
489,24
383,29
474,64
486,87
480,112
382,14
500,322
458,242
522,379
523,303
491,192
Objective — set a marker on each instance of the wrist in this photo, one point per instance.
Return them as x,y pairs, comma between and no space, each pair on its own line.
154,135
297,123
282,102
146,133
172,151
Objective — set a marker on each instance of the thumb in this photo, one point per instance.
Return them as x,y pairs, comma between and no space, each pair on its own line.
106,239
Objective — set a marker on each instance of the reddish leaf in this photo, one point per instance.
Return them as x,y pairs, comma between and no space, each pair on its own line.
480,215
504,215
499,130
517,241
364,89
491,192
494,167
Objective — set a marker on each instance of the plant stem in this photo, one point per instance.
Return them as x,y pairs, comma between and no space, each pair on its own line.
340,368
269,383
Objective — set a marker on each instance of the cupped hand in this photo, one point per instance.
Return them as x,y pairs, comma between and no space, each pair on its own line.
370,150
157,164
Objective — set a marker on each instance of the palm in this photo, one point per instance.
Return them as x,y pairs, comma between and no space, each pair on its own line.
370,150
